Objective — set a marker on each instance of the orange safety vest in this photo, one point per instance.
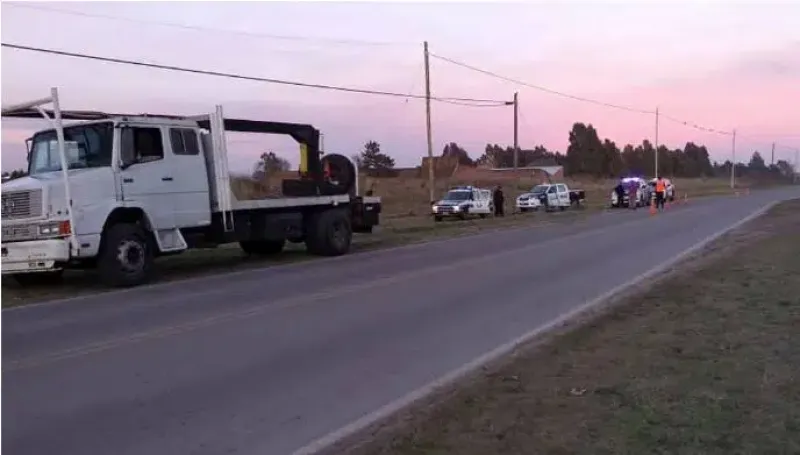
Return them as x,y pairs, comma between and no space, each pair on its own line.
660,186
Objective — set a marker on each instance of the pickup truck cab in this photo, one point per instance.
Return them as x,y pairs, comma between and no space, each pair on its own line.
463,202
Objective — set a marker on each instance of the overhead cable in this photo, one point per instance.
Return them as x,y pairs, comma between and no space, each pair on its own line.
476,102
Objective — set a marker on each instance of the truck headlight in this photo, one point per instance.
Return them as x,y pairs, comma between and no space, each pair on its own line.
54,228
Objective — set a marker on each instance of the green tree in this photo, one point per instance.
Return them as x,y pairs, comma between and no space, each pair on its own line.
375,162
268,164
453,149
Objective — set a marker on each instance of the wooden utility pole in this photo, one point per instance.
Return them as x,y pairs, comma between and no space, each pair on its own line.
431,176
733,161
656,151
772,161
516,130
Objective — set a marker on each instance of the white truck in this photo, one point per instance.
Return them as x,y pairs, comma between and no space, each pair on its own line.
115,191
551,196
463,202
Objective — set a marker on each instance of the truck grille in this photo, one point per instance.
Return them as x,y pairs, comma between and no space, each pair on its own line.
22,204
19,233
445,209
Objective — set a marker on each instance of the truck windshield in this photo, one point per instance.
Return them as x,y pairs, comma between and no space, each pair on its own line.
539,189
86,146
457,195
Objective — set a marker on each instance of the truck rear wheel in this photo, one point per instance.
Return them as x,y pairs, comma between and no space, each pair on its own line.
126,258
262,247
329,233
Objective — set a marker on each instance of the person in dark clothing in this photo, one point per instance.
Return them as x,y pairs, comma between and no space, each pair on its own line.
499,200
620,190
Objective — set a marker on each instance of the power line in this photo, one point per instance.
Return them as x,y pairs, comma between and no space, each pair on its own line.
686,123
540,88
350,42
473,102
691,124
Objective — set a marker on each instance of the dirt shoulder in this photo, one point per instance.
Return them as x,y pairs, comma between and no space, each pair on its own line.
705,361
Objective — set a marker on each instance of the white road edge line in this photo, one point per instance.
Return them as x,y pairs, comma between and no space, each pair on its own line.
449,378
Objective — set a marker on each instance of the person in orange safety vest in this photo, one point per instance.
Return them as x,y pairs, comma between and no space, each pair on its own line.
661,193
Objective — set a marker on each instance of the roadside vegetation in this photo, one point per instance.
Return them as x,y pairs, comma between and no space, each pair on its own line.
704,362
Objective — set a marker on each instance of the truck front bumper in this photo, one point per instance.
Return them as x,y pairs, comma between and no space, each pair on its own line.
34,256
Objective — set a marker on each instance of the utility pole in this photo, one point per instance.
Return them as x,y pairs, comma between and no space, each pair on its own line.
733,161
431,177
656,153
772,161
516,131
796,165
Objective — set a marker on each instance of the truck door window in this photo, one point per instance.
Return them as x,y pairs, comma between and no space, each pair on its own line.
551,190
561,188
184,141
142,145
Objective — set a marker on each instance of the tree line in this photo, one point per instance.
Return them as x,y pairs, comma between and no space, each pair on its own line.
588,155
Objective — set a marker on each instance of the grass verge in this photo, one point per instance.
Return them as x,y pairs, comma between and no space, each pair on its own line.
704,362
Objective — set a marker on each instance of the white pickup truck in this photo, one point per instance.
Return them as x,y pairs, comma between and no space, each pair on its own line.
462,202
550,196
115,191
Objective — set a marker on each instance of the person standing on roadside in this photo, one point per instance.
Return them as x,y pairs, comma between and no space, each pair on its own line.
499,200
633,196
661,193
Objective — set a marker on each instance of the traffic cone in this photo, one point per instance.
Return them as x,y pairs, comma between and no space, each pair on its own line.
653,210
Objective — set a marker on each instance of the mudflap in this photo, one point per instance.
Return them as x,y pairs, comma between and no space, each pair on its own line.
364,215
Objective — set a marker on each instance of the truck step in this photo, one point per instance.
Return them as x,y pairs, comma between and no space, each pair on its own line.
170,240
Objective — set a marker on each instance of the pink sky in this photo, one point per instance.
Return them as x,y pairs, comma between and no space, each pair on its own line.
720,65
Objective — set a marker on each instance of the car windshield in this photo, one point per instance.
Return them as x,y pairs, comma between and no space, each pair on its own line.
86,146
539,189
457,195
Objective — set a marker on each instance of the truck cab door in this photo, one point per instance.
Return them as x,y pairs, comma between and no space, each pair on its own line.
563,195
552,196
190,187
145,173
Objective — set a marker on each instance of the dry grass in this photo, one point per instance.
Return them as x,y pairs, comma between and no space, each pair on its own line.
706,362
407,195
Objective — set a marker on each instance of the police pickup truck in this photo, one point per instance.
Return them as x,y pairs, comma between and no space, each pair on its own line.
550,196
462,202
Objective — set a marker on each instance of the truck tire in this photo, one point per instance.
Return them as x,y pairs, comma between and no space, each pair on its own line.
262,247
126,258
39,278
329,233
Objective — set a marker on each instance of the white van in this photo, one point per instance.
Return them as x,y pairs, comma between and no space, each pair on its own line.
464,202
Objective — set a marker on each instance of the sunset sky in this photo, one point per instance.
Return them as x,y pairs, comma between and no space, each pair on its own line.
724,65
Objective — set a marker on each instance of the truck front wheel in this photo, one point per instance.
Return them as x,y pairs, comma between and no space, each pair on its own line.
126,258
329,233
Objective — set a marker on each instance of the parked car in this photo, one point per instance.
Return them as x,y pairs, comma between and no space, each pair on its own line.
670,196
620,196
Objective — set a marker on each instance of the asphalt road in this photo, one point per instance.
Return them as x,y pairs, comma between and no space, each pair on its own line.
265,361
